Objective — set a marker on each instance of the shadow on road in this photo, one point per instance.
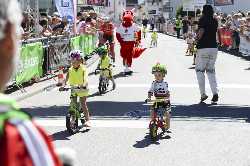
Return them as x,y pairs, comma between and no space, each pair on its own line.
247,68
119,75
64,135
192,68
120,109
94,95
61,135
147,141
92,73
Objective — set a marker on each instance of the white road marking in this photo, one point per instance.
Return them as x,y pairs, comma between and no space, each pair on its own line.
135,124
221,86
171,86
99,123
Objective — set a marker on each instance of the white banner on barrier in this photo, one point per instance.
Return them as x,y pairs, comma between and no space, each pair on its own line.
244,46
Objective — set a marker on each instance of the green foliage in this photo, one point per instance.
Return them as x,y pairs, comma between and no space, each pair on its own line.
179,11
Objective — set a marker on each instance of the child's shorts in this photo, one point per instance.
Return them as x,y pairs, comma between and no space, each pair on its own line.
107,73
81,94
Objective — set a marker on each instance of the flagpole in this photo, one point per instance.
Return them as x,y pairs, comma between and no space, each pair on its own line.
75,13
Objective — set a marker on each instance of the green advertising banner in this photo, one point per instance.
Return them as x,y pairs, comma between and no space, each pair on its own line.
75,43
31,62
85,43
91,43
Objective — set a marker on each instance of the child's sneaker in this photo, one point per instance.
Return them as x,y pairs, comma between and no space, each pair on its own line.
87,124
82,118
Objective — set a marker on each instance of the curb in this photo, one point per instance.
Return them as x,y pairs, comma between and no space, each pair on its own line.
181,37
51,86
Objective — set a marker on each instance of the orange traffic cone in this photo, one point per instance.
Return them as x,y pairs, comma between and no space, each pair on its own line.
60,77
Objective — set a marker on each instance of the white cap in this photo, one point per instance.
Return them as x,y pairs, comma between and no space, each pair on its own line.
56,14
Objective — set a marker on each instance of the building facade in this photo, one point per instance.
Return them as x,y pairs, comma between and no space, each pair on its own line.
242,5
114,9
155,8
131,3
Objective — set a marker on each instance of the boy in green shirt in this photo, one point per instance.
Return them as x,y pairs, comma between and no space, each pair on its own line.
105,65
154,38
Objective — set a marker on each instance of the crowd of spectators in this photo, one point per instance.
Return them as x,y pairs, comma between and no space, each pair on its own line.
237,24
53,25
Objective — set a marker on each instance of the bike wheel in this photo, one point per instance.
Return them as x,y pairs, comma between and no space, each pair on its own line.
72,123
105,86
153,130
167,120
100,89
83,120
101,86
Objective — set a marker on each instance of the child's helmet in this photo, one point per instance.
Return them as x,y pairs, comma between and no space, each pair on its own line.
102,51
76,55
159,68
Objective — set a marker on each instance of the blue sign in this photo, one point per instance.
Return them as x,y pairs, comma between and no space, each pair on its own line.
66,9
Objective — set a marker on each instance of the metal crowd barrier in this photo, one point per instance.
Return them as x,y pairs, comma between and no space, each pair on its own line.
43,56
225,39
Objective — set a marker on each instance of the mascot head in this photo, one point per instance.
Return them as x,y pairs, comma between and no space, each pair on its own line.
128,18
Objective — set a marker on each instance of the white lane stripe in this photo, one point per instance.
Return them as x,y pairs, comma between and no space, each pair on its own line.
99,123
221,86
135,124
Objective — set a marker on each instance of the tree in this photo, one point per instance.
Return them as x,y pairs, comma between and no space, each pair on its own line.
179,11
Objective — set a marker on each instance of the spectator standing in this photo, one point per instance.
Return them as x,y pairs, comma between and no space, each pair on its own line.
46,31
152,23
162,23
145,22
81,26
185,26
207,52
235,28
90,27
247,29
58,24
55,20
178,26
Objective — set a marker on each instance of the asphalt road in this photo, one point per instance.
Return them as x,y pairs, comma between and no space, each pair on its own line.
201,134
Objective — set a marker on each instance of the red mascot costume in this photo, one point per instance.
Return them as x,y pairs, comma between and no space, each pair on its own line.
129,36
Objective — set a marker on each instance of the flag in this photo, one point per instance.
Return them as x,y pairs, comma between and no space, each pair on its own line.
65,9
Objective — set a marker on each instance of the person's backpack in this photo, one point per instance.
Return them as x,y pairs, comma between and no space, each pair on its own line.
22,142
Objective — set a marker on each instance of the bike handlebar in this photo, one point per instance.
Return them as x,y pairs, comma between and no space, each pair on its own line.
155,100
73,88
96,70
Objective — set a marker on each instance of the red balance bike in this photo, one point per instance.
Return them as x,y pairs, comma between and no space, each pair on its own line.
160,111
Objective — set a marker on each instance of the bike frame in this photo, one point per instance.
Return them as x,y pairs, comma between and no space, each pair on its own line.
75,105
158,115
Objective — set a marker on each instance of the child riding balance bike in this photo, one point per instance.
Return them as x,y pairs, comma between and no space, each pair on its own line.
105,68
77,79
160,107
154,39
